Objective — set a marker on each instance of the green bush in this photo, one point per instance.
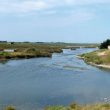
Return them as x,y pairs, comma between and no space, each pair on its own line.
55,108
105,44
30,50
73,106
4,53
10,108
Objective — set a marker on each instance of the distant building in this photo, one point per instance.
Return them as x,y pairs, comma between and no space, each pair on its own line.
1,50
10,43
9,50
109,47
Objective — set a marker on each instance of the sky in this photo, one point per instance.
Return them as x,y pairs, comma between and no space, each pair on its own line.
75,21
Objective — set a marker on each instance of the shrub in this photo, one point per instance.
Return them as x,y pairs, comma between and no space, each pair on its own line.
54,108
105,44
4,53
10,108
31,50
73,106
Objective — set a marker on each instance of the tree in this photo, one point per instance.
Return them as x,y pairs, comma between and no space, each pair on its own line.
105,44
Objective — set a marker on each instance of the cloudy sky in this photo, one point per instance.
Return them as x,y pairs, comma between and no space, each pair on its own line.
55,20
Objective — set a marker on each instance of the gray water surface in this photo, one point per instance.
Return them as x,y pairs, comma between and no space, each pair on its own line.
31,84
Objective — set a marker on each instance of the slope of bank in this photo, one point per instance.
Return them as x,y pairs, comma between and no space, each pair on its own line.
73,106
81,107
99,58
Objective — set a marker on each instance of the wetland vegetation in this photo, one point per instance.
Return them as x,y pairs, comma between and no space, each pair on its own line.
80,107
32,50
73,106
100,57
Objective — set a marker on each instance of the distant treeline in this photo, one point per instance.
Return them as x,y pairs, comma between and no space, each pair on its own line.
3,41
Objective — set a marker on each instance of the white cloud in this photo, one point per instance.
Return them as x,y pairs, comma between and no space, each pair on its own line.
74,17
35,5
86,2
25,6
50,12
49,7
83,15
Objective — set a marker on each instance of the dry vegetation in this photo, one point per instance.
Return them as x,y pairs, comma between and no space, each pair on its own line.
97,57
28,50
73,106
31,50
81,107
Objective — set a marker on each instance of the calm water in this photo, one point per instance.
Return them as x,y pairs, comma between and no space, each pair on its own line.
34,83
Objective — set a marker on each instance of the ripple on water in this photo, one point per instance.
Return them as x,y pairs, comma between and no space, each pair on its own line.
69,67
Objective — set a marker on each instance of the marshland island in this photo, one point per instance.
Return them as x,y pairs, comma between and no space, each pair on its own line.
22,50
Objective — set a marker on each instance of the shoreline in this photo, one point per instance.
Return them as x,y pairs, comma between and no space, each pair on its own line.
93,64
24,57
71,106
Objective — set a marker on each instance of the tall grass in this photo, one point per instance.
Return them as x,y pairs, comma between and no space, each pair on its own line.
80,107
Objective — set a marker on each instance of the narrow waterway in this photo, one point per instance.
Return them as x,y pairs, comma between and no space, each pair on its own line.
31,84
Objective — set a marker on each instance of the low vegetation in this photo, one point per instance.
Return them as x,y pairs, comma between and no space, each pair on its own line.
9,108
31,50
92,57
97,57
16,55
80,107
103,106
28,50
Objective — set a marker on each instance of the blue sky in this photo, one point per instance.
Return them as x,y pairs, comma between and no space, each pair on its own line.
55,20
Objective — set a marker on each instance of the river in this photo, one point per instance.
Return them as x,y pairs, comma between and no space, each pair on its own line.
32,84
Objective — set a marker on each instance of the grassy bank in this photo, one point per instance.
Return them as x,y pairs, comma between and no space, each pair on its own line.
72,107
99,58
81,107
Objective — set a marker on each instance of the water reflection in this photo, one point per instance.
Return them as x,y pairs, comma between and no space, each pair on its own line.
3,62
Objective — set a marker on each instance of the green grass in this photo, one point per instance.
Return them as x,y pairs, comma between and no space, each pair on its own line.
96,57
92,57
80,107
54,108
73,106
4,53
